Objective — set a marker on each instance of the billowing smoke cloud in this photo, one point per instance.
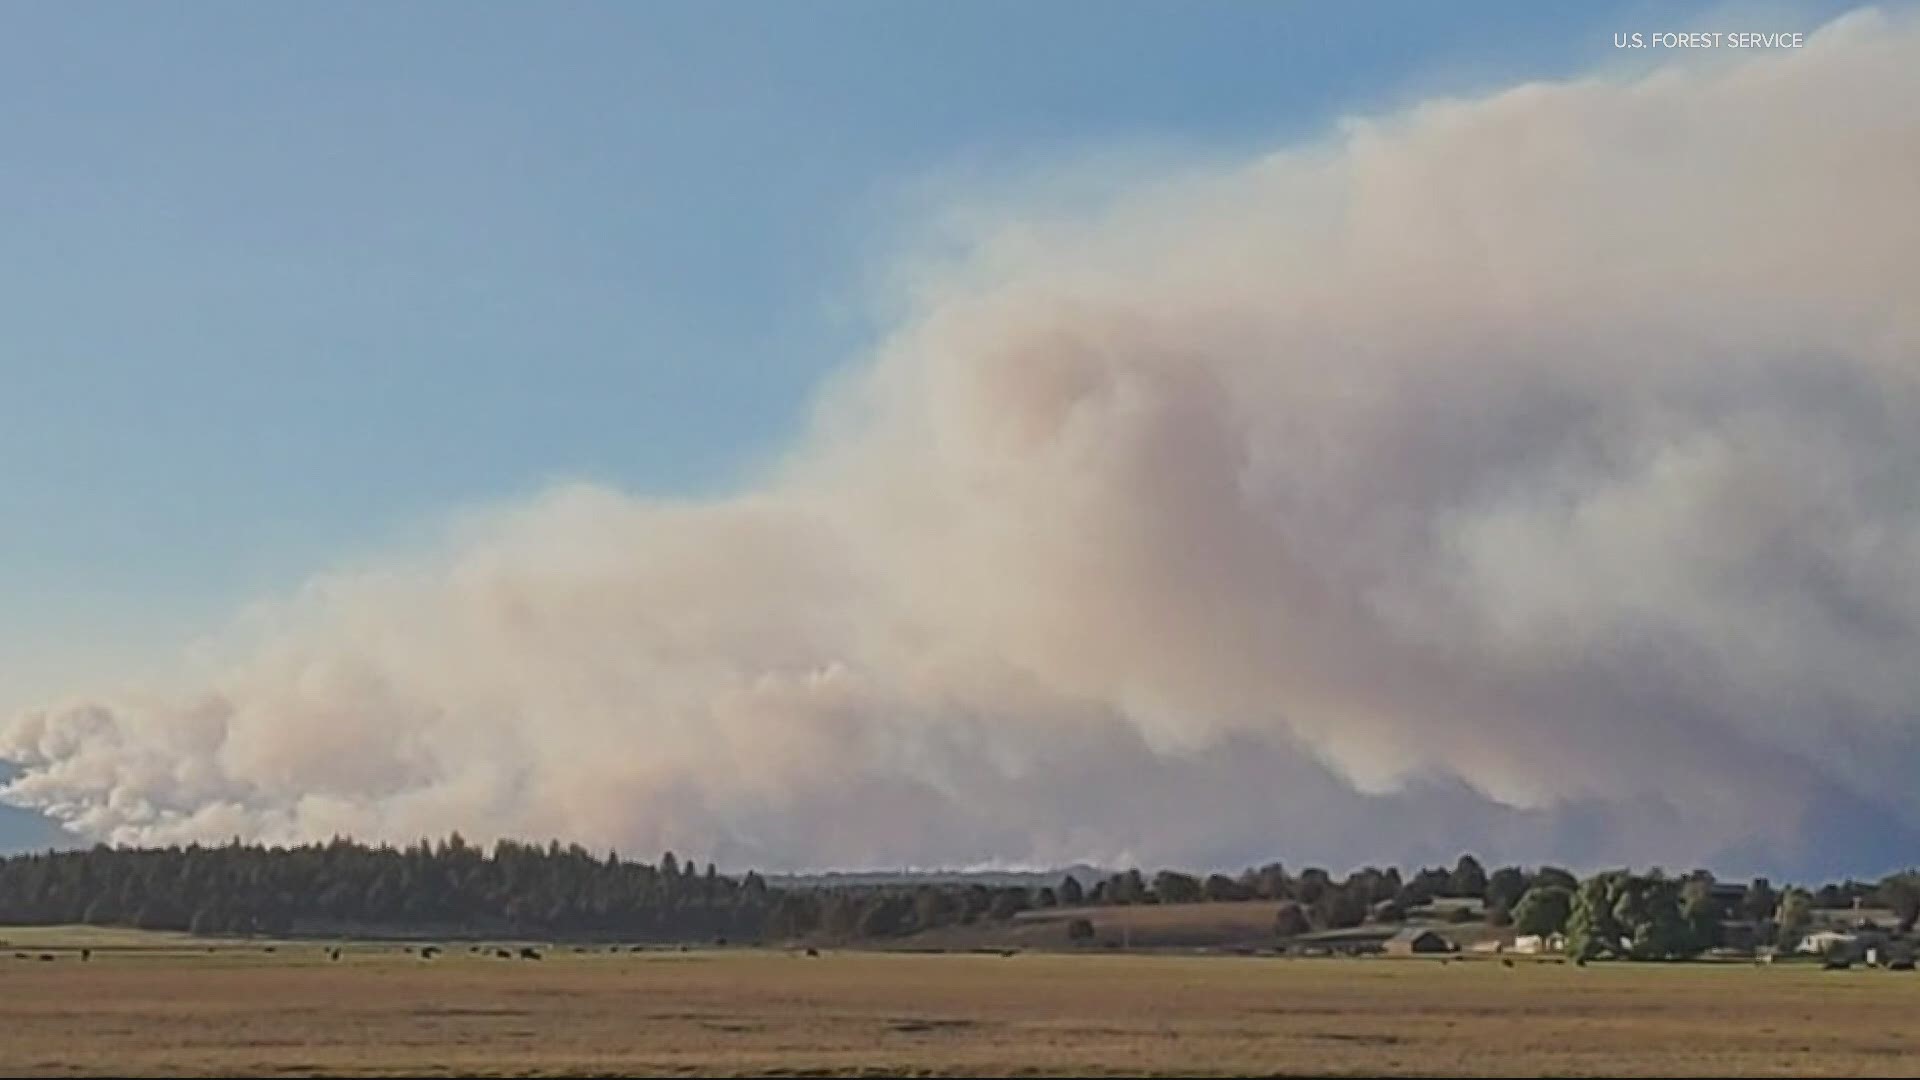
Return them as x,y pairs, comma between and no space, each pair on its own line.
1536,474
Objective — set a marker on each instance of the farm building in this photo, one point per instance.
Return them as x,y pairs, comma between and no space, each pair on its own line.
1413,942
1533,944
1851,945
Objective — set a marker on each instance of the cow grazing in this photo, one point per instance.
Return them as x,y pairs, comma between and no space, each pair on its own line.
529,954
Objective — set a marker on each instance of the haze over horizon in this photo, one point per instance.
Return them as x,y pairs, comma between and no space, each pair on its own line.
1525,470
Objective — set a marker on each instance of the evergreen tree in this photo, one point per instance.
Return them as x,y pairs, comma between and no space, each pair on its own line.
1505,887
1070,892
1467,879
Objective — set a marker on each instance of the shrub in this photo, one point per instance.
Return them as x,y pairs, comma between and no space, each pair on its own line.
1290,920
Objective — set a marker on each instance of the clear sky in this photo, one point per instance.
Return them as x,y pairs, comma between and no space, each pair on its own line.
283,282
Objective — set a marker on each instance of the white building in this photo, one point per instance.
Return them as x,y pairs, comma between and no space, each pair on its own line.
1532,944
1851,944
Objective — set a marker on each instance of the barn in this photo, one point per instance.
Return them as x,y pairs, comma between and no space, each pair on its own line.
1416,942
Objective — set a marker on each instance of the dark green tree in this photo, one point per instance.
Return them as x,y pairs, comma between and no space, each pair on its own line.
1071,895
1543,910
1593,932
1290,920
1900,893
1338,908
1553,875
1220,888
1171,887
885,916
1468,878
1505,887
1007,903
1311,884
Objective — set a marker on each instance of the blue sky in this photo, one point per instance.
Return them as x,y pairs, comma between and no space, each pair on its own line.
284,282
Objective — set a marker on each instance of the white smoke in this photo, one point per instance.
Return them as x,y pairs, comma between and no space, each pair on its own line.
1535,474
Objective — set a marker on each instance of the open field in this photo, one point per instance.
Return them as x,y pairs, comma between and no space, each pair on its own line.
169,1006
1245,925
1143,926
1159,925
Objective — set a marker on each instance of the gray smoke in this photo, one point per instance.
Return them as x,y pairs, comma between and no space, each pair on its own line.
1534,474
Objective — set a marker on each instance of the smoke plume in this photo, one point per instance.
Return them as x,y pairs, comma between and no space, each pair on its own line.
1535,474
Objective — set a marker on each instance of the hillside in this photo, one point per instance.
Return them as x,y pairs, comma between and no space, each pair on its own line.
1226,927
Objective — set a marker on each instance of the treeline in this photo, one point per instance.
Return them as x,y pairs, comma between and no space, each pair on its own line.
1313,899
1621,915
451,887
516,888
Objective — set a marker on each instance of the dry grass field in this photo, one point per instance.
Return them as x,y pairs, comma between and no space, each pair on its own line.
168,1006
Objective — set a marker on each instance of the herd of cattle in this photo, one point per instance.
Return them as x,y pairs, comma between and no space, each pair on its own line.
424,952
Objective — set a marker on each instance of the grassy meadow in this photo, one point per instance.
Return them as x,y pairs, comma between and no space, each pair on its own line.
155,1004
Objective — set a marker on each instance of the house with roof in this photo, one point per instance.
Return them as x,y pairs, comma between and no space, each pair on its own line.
1534,944
1414,941
1842,944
